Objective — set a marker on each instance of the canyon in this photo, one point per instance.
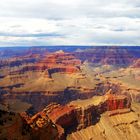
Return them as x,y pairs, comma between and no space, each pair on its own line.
73,93
62,120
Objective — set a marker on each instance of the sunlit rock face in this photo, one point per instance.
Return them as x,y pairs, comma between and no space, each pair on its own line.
61,62
109,118
82,113
89,111
65,116
121,126
117,102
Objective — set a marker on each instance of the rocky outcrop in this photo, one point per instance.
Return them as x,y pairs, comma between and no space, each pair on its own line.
89,111
117,102
62,115
24,127
82,113
41,127
61,62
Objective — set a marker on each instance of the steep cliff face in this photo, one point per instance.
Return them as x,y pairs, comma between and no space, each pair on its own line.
118,127
120,122
88,111
117,102
85,117
62,115
82,113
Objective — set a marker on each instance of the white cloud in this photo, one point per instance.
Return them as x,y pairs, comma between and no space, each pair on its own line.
56,22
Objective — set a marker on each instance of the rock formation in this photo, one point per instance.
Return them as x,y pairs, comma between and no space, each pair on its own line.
22,127
41,127
82,113
61,115
51,63
107,55
60,62
122,126
89,110
56,121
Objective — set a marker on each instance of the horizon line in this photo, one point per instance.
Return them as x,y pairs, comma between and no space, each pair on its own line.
70,46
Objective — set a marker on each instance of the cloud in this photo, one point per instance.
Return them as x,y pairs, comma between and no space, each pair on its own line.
29,35
72,22
69,8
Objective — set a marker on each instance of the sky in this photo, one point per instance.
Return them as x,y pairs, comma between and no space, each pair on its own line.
69,22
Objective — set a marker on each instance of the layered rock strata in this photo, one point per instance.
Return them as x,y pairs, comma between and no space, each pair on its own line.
53,63
56,121
83,113
123,126
107,55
